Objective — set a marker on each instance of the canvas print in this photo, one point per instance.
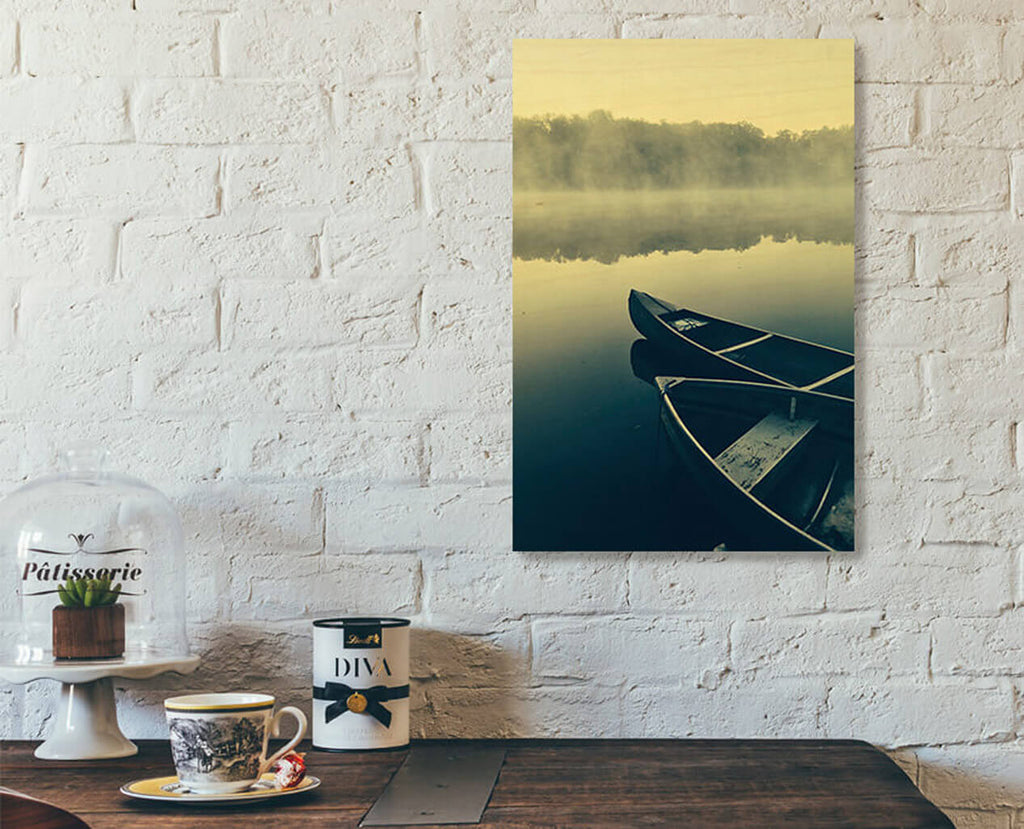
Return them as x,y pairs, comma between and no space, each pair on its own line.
683,295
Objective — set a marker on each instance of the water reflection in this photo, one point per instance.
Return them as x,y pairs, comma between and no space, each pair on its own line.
606,226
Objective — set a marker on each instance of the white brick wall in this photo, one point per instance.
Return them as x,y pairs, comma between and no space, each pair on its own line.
262,249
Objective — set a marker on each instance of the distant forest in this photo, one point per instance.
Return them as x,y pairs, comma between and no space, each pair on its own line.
599,151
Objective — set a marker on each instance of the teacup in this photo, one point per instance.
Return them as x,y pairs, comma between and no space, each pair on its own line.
219,741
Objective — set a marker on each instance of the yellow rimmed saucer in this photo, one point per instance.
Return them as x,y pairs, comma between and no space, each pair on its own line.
169,790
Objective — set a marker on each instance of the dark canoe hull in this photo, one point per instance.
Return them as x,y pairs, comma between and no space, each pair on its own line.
697,361
750,524
731,351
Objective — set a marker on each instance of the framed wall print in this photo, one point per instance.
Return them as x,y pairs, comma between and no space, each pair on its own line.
683,295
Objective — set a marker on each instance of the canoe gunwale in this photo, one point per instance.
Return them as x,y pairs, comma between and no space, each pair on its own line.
640,300
665,384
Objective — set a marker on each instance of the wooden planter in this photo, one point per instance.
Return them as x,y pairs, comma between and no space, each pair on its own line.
88,632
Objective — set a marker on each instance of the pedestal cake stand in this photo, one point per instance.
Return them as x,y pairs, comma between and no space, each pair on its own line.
86,725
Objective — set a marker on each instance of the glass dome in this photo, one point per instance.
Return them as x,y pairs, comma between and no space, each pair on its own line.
87,522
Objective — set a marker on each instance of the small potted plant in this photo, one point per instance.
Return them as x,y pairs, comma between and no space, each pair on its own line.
89,621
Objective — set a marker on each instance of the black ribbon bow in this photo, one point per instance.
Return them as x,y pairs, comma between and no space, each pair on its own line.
338,693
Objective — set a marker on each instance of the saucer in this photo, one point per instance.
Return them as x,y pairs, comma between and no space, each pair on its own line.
170,790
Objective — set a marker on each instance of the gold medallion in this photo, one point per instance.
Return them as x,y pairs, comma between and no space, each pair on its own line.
356,703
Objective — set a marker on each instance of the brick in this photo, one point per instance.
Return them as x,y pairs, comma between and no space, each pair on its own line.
941,53
861,644
973,387
886,115
691,583
451,517
971,819
74,110
473,590
447,382
1017,186
86,384
468,179
473,43
68,317
496,659
474,450
454,110
470,316
231,383
363,246
10,170
317,313
975,116
981,776
916,452
715,26
210,251
126,45
978,647
827,9
1013,51
987,10
953,180
787,708
478,244
921,581
227,519
971,252
223,112
354,48
897,714
884,251
963,317
326,586
983,513
303,7
554,712
599,649
198,446
890,380
82,251
327,447
121,181
376,182
8,46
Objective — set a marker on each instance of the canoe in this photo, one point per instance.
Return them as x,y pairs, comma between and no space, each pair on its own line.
718,348
777,461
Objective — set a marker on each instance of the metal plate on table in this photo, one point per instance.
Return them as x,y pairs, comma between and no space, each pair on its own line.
438,784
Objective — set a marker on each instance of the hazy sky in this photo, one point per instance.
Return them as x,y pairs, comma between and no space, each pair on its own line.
774,84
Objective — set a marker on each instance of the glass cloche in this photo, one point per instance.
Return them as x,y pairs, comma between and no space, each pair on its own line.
86,522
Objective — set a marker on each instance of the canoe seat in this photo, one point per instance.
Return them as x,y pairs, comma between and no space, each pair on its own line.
687,323
761,449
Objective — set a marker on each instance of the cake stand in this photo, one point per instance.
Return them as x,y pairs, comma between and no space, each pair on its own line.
86,725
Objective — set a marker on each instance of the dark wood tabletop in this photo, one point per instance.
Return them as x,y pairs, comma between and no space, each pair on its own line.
544,783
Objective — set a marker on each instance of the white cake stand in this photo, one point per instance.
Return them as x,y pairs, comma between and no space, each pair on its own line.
86,726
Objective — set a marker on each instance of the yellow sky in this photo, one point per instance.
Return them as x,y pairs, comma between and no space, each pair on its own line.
774,84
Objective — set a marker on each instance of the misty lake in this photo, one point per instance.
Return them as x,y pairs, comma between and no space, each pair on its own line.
592,470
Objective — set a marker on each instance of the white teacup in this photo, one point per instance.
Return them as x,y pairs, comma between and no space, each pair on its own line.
219,741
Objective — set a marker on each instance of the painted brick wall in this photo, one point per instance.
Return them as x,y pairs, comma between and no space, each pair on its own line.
261,248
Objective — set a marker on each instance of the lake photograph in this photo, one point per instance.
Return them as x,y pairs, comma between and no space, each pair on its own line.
683,295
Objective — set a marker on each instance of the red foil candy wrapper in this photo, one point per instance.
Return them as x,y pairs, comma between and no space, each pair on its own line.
289,770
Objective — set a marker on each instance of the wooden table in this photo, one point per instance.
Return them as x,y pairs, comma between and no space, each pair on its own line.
544,783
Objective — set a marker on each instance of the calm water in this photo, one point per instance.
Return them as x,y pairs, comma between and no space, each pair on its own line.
592,470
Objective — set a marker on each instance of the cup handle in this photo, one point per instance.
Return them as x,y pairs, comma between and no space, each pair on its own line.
275,728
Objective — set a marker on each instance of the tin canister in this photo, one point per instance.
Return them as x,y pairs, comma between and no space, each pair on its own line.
360,684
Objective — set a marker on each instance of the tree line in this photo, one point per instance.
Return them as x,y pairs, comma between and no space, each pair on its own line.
599,151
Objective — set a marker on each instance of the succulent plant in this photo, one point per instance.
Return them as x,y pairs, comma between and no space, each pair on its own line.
88,592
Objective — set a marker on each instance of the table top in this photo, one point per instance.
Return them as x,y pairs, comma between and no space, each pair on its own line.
544,783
